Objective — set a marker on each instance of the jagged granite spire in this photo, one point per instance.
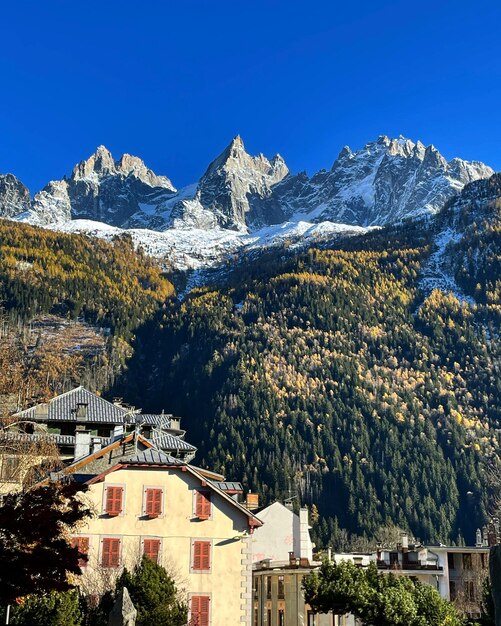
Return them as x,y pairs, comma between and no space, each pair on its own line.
225,193
385,181
14,196
102,189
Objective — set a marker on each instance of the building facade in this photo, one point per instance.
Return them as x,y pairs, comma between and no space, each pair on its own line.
155,505
282,553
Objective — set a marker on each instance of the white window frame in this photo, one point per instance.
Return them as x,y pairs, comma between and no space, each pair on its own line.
200,593
194,505
160,550
120,557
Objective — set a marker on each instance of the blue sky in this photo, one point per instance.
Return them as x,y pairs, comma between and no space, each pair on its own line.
173,82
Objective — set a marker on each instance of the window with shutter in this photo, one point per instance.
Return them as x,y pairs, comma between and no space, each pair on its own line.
200,611
114,496
110,553
153,502
151,549
201,555
203,505
82,543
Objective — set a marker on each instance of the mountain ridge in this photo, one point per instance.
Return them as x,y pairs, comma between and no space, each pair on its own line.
243,200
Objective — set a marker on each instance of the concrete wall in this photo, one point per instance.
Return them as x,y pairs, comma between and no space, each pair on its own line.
280,534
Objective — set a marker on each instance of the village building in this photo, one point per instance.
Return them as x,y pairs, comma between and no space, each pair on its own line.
282,553
78,423
456,572
189,520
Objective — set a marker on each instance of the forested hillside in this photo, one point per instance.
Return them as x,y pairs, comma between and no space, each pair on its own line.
330,374
334,374
72,277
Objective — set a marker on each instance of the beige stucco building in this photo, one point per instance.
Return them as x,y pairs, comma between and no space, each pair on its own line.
147,502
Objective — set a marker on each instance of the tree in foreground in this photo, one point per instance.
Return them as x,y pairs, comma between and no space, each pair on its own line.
52,609
35,552
377,599
153,593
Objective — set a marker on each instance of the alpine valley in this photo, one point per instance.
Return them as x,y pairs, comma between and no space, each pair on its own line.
339,341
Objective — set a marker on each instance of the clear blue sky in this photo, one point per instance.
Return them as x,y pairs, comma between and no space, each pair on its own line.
174,81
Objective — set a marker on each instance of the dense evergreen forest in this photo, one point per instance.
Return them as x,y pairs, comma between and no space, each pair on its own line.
331,375
325,373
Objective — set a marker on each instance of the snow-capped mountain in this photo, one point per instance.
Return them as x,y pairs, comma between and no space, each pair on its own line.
388,180
101,189
242,200
465,242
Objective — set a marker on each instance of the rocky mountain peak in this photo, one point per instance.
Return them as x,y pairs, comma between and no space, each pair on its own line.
388,180
14,196
129,165
100,163
225,193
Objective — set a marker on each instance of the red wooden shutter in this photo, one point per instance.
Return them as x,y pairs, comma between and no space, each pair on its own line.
114,500
82,543
153,502
151,548
201,555
111,552
203,505
200,607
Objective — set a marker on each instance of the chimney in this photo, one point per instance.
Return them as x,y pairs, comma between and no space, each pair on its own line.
405,541
305,549
252,501
478,538
82,444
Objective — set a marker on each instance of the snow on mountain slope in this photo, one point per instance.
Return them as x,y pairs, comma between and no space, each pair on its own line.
387,181
462,236
242,200
195,248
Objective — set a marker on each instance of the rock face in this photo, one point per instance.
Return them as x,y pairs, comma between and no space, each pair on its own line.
225,193
123,612
14,196
388,180
495,576
103,190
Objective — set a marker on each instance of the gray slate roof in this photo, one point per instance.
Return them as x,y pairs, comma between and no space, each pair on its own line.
35,437
166,441
153,419
64,408
154,457
228,486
